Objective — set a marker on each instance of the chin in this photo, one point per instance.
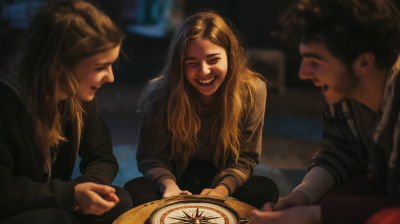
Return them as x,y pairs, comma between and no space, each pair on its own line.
333,100
87,98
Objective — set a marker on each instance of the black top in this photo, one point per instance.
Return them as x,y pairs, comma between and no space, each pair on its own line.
22,183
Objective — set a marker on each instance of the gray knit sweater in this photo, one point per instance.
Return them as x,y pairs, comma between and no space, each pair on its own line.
153,154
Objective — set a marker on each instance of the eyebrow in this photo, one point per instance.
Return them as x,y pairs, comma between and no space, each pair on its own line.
208,56
313,55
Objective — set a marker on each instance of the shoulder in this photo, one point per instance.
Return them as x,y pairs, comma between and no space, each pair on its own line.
260,91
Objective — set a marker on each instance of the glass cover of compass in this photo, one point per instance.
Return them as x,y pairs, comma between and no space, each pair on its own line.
199,211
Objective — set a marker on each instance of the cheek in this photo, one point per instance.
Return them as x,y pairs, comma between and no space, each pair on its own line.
189,73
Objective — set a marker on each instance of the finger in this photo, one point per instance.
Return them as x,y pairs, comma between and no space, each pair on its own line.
99,205
259,217
185,193
281,205
102,189
267,207
113,197
267,215
206,191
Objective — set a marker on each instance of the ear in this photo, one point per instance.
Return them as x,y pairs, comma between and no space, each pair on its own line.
364,63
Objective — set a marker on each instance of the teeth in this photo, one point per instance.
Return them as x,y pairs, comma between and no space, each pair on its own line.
206,81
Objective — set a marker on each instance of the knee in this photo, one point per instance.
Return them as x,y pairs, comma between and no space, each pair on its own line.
137,185
265,187
125,200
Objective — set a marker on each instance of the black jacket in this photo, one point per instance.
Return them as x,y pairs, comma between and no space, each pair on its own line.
22,183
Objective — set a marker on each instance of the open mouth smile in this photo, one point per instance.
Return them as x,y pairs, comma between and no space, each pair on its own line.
206,82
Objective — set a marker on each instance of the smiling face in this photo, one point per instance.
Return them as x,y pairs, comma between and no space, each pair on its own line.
205,66
91,73
326,71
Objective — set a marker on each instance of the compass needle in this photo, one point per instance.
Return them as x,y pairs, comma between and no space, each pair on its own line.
197,212
187,214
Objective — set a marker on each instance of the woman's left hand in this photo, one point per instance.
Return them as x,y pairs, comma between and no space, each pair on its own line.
219,191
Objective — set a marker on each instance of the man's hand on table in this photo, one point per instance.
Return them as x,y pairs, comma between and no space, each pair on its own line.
295,215
294,199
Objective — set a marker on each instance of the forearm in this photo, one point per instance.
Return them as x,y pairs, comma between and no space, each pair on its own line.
168,185
317,181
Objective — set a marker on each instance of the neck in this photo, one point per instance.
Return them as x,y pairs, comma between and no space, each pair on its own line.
206,101
372,89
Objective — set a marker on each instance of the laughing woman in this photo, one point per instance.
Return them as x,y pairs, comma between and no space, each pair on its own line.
202,120
49,116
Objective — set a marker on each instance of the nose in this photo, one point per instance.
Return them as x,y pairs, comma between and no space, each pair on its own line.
109,76
306,72
204,69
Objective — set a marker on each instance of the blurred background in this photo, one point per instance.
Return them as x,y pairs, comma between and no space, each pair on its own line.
293,126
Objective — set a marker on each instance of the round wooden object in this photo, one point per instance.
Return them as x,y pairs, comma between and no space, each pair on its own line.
141,213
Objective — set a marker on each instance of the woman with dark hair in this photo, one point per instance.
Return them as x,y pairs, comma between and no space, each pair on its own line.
49,116
202,120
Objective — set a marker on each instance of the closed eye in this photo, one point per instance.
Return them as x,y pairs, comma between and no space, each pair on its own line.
100,68
213,61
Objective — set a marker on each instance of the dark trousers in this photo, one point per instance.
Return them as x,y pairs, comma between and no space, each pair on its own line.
61,216
198,175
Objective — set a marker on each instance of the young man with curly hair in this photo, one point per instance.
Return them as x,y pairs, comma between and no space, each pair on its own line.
350,48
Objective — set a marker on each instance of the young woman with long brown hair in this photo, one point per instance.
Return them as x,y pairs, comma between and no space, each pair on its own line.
49,116
202,120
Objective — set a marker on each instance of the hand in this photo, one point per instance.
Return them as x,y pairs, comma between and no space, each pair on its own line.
296,215
94,198
170,189
219,191
294,199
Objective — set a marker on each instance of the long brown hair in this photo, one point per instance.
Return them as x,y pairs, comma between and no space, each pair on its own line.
58,37
181,105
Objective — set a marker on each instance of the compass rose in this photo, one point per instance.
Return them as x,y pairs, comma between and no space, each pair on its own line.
198,218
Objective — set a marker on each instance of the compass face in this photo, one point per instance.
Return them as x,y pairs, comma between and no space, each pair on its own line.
194,211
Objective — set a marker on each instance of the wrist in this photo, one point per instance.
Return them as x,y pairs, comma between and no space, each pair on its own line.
168,185
303,197
222,189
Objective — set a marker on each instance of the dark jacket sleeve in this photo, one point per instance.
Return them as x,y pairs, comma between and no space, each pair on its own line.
21,187
353,210
340,151
98,164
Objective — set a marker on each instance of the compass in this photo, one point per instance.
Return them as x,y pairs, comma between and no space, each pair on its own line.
193,209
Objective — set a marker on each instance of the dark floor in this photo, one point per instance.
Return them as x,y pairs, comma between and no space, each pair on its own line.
291,134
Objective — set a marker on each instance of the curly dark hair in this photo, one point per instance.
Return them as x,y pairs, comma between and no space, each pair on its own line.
347,27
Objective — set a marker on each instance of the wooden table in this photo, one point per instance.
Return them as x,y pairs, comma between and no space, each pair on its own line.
141,213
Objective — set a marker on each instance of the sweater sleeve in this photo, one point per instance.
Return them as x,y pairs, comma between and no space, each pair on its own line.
152,157
340,151
98,164
316,183
236,174
19,192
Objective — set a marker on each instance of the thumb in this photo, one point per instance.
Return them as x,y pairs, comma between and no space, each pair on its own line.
282,204
185,193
